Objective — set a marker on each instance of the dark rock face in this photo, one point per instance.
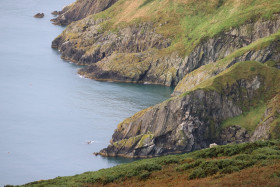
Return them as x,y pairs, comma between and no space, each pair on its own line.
80,9
269,53
234,134
184,123
264,128
39,15
133,39
221,46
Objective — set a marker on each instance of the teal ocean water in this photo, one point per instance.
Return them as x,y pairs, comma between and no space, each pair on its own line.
47,112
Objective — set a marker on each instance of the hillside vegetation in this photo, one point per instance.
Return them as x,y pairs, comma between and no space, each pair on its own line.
186,22
218,165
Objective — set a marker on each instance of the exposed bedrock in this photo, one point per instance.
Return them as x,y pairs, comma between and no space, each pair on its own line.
269,127
99,45
80,9
102,52
185,123
224,44
265,54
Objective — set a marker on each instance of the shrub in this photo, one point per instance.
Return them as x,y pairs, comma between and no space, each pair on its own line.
229,169
145,175
197,173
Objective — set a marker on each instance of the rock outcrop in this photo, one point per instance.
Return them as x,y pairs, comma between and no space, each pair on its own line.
182,125
268,53
193,121
56,13
202,50
80,9
39,15
85,44
234,134
269,127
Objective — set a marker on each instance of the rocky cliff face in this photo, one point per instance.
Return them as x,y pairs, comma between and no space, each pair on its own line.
199,49
80,9
268,53
226,43
269,125
183,125
103,51
95,45
191,121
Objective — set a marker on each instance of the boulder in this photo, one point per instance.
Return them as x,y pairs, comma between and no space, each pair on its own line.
39,15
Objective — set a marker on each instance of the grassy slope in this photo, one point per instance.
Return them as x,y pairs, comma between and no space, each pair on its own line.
214,164
186,22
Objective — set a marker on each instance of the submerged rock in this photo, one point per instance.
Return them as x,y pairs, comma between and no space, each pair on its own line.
39,15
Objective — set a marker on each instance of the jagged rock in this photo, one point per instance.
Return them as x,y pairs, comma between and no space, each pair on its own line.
180,125
137,50
56,13
39,15
234,134
97,47
191,121
270,52
264,128
79,10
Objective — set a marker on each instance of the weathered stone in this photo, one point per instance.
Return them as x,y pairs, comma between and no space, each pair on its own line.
56,13
192,121
103,48
234,134
264,128
39,15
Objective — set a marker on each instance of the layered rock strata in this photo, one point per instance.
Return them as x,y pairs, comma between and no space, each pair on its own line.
103,52
192,121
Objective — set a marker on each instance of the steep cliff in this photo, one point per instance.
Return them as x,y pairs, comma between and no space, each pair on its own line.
163,41
79,10
195,119
204,48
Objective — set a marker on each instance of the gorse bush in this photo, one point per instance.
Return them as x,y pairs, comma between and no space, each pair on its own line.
230,150
224,166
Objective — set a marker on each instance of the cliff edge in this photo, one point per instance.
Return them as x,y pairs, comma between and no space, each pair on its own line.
222,56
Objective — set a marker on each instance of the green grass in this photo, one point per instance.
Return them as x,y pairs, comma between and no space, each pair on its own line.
197,164
186,22
248,120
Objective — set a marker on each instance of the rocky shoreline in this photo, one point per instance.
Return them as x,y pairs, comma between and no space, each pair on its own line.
117,48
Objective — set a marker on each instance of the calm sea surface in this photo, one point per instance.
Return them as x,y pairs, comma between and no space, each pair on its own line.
47,112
